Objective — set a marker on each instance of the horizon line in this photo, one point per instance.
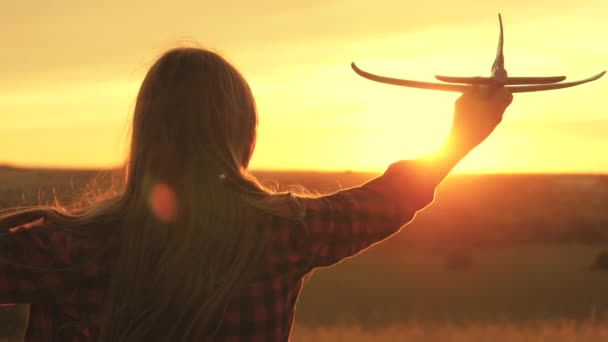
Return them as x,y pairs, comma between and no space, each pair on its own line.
9,166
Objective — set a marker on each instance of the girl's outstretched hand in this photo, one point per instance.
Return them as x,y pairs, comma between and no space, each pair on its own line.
476,115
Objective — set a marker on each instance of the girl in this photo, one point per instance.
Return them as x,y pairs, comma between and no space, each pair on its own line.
194,248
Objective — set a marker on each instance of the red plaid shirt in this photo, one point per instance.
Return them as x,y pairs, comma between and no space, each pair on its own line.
66,305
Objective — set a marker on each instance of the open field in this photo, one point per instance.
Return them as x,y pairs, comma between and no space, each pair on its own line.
514,284
523,245
546,331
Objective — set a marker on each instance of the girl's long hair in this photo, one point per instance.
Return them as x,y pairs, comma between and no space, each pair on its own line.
188,215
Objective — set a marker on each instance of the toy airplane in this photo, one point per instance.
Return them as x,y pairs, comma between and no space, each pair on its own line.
499,78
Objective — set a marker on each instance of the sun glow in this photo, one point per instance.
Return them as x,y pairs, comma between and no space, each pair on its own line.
67,104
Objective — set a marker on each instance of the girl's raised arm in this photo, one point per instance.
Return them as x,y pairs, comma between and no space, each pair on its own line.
345,223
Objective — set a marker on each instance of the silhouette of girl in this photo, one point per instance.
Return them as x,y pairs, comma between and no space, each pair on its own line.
194,248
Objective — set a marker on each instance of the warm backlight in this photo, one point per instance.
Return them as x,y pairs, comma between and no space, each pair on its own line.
69,79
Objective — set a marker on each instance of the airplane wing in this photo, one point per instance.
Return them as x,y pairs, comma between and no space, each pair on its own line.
409,83
550,82
510,80
541,87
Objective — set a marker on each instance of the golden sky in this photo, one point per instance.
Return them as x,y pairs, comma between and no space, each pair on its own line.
70,71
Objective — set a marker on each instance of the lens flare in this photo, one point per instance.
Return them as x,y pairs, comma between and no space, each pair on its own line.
163,203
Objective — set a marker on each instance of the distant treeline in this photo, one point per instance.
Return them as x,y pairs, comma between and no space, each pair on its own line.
469,210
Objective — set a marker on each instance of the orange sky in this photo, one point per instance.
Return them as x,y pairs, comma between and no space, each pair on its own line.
71,69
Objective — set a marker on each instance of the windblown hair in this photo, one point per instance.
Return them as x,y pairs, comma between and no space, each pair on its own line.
194,132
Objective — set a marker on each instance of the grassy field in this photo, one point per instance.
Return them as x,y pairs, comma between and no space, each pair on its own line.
544,331
513,284
523,245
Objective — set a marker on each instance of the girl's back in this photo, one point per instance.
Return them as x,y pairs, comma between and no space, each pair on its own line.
193,247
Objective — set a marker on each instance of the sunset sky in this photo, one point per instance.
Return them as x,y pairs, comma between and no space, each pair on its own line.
70,70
